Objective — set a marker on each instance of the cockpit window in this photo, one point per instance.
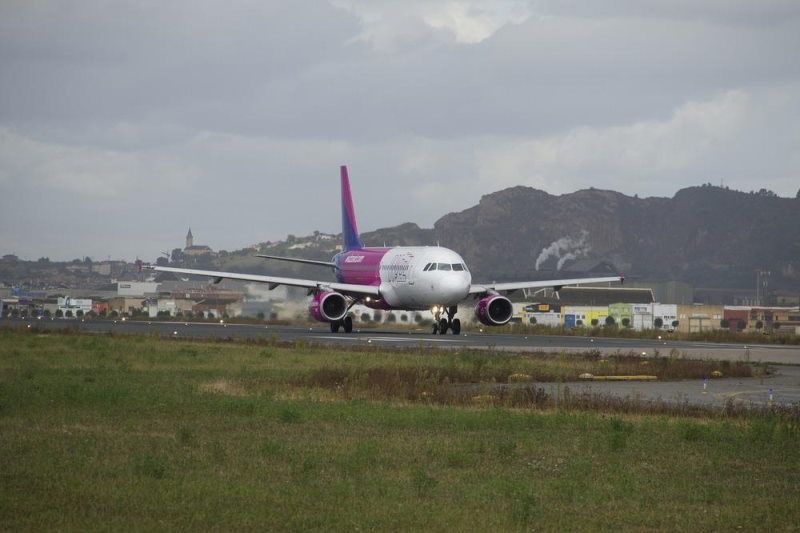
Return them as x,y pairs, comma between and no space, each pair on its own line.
458,266
428,267
443,266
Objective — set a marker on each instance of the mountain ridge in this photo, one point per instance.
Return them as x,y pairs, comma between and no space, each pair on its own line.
704,235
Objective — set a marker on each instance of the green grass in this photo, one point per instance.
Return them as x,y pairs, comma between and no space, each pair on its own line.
138,433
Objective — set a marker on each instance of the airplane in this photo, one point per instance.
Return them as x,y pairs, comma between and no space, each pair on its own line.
408,278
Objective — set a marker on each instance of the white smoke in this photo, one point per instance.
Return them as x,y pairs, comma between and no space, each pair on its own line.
564,249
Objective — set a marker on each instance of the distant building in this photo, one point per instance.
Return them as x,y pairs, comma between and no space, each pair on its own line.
193,249
137,288
699,317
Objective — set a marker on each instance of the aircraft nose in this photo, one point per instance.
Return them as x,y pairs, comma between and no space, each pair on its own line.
454,288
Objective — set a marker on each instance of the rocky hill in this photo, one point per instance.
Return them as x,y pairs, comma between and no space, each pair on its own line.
708,236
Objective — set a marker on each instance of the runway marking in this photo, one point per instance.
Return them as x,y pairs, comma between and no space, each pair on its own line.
379,339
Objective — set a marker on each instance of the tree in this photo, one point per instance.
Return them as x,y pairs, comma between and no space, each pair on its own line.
46,313
595,322
626,322
59,313
68,314
724,323
658,322
776,326
260,315
610,321
365,317
532,320
759,324
79,313
162,261
14,313
675,323
404,318
390,317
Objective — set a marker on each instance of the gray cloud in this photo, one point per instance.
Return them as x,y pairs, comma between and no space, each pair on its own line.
139,118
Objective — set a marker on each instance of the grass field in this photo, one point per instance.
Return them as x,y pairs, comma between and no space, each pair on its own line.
139,433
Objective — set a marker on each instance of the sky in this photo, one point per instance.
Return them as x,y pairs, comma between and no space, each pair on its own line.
124,123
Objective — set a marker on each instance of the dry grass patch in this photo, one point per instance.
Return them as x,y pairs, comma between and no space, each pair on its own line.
224,386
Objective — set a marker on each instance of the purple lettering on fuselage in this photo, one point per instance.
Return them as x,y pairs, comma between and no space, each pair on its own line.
361,266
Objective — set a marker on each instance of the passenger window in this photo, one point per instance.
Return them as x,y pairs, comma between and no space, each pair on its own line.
458,266
444,266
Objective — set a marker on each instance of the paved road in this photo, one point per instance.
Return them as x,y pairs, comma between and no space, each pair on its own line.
785,384
414,338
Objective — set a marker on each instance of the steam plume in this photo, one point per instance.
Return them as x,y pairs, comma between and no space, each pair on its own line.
564,249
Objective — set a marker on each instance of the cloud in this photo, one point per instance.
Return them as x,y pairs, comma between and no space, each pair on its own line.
234,118
90,172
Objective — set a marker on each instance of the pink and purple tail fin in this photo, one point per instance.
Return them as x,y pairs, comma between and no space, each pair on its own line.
352,241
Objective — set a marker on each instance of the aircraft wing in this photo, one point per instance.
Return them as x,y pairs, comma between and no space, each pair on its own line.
554,283
274,281
298,260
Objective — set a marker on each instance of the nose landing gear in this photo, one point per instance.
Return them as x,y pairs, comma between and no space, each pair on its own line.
441,324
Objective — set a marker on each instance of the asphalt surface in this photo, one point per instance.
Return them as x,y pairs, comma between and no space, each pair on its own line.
784,385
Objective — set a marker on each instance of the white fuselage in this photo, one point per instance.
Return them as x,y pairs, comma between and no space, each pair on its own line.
420,277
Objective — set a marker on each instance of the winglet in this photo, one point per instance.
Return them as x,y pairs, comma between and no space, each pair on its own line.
352,241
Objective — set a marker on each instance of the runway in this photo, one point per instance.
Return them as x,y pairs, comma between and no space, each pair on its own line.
784,385
418,338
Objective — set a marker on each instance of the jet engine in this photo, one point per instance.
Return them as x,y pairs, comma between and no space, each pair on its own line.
494,310
328,306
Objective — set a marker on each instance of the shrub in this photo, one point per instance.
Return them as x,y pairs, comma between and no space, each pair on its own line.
626,322
595,322
759,324
724,323
365,317
658,322
610,321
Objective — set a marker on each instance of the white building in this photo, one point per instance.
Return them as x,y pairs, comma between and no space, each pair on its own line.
136,288
653,316
74,305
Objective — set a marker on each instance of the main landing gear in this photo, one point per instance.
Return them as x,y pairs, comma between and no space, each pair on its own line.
346,323
441,324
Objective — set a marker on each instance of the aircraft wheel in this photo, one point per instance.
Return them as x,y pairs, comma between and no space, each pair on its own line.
456,326
348,324
443,326
335,326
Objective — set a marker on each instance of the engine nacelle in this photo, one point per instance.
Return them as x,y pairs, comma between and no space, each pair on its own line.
328,306
494,310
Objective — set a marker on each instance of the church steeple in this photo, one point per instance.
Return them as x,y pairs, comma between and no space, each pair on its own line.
189,238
